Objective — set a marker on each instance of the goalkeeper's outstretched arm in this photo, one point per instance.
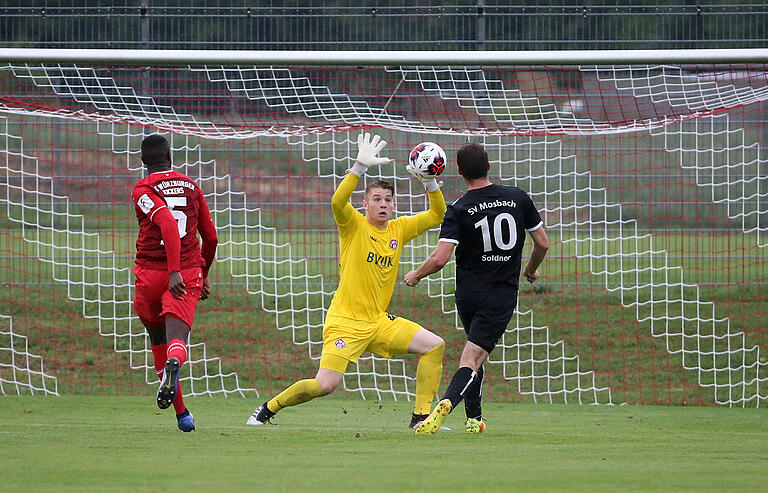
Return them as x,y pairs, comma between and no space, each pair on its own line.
342,209
434,215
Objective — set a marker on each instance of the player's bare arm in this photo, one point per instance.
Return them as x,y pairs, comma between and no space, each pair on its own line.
539,251
206,291
436,261
176,285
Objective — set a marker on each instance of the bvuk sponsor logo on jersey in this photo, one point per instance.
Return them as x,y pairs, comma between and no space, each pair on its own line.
339,343
380,260
393,244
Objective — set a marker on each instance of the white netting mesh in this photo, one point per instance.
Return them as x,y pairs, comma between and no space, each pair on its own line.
529,120
93,275
728,162
20,370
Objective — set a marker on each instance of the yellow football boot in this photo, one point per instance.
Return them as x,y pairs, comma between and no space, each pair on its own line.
435,419
474,426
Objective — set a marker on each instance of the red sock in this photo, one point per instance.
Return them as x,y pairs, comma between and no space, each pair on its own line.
160,354
177,349
178,401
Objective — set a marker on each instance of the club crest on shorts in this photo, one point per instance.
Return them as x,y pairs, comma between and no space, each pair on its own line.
393,244
339,343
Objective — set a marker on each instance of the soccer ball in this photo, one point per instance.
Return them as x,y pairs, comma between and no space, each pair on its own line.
426,160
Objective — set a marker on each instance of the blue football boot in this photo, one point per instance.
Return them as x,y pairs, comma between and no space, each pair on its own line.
186,421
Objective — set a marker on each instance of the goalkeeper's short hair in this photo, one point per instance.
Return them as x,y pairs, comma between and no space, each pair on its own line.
383,184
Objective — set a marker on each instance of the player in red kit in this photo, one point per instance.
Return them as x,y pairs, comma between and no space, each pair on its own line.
171,268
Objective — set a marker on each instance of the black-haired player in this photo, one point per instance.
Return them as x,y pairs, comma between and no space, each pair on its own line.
171,267
487,228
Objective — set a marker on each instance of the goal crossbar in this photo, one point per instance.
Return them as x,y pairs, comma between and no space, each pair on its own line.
410,58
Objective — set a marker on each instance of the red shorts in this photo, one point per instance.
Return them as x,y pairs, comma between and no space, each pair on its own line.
153,302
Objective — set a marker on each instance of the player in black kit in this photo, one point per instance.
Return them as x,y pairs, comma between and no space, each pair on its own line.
487,228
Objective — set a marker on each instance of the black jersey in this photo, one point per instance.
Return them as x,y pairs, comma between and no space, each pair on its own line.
488,226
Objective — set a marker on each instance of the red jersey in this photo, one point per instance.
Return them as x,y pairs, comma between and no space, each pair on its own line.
169,203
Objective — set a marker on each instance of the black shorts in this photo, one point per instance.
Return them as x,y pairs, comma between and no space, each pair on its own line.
486,313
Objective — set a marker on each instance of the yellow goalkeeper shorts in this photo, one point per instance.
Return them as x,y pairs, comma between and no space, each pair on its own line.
345,339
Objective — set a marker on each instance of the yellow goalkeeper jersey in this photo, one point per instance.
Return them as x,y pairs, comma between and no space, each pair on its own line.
370,256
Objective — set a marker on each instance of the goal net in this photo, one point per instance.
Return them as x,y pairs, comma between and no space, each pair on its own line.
652,181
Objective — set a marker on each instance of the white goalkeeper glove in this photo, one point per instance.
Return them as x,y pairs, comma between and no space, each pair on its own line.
430,182
368,153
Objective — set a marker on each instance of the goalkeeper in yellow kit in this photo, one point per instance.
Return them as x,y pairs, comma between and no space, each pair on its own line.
356,320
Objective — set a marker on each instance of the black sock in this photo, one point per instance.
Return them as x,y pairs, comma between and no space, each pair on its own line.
461,381
473,397
417,418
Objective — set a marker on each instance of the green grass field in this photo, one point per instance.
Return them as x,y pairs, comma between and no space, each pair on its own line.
127,444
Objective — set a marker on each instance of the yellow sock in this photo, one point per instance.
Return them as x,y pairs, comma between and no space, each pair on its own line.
298,393
428,375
